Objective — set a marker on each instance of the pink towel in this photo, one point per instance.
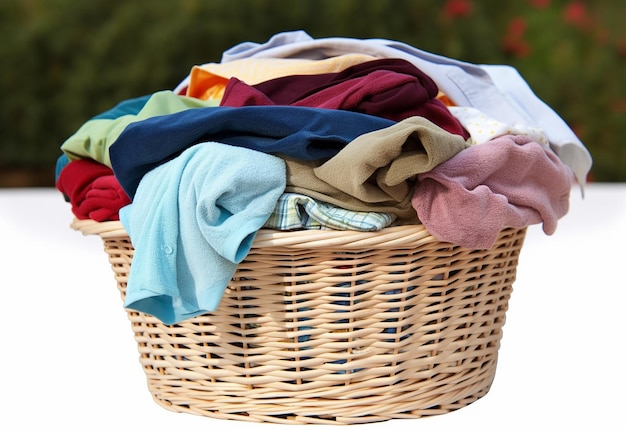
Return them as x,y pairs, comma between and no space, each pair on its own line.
509,181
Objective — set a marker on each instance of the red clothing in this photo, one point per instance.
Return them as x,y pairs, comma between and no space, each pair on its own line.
389,88
92,190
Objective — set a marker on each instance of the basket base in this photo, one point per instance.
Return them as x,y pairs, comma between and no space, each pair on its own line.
336,412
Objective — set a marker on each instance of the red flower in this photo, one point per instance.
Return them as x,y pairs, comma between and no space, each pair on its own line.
575,13
513,42
517,27
457,8
519,48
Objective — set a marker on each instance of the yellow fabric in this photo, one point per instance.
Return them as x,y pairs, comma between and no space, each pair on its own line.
208,81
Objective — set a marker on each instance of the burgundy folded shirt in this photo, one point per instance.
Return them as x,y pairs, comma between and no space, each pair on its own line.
389,88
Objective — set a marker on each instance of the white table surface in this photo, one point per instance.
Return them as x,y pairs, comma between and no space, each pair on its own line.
69,360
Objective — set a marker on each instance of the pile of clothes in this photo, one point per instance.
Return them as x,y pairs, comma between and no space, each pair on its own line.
301,133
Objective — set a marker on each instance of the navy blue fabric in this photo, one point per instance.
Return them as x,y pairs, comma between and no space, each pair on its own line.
298,132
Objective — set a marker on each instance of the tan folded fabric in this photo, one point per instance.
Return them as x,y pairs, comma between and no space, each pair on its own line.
377,170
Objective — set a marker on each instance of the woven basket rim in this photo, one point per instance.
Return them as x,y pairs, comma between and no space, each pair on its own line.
392,237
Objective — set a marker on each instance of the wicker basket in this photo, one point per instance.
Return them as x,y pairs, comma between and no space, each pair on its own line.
333,327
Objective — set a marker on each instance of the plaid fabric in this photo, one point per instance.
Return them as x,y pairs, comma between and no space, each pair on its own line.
297,211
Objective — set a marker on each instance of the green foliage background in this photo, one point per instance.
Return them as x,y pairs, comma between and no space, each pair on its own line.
64,61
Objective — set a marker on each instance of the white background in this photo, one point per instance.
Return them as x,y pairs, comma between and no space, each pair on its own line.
69,360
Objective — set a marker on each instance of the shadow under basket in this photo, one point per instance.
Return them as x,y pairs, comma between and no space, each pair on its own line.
332,327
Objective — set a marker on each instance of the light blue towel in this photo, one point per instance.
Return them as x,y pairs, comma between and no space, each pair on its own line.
193,220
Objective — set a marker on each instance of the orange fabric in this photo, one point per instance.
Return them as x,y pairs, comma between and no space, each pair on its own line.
205,85
445,99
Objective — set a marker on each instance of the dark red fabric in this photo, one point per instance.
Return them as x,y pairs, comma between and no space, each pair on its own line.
92,190
389,88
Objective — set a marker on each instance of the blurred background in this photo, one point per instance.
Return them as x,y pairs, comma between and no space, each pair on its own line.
64,61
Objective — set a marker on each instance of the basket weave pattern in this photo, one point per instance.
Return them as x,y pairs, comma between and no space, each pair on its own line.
333,327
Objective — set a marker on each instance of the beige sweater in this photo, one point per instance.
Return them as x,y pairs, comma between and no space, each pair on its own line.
377,171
